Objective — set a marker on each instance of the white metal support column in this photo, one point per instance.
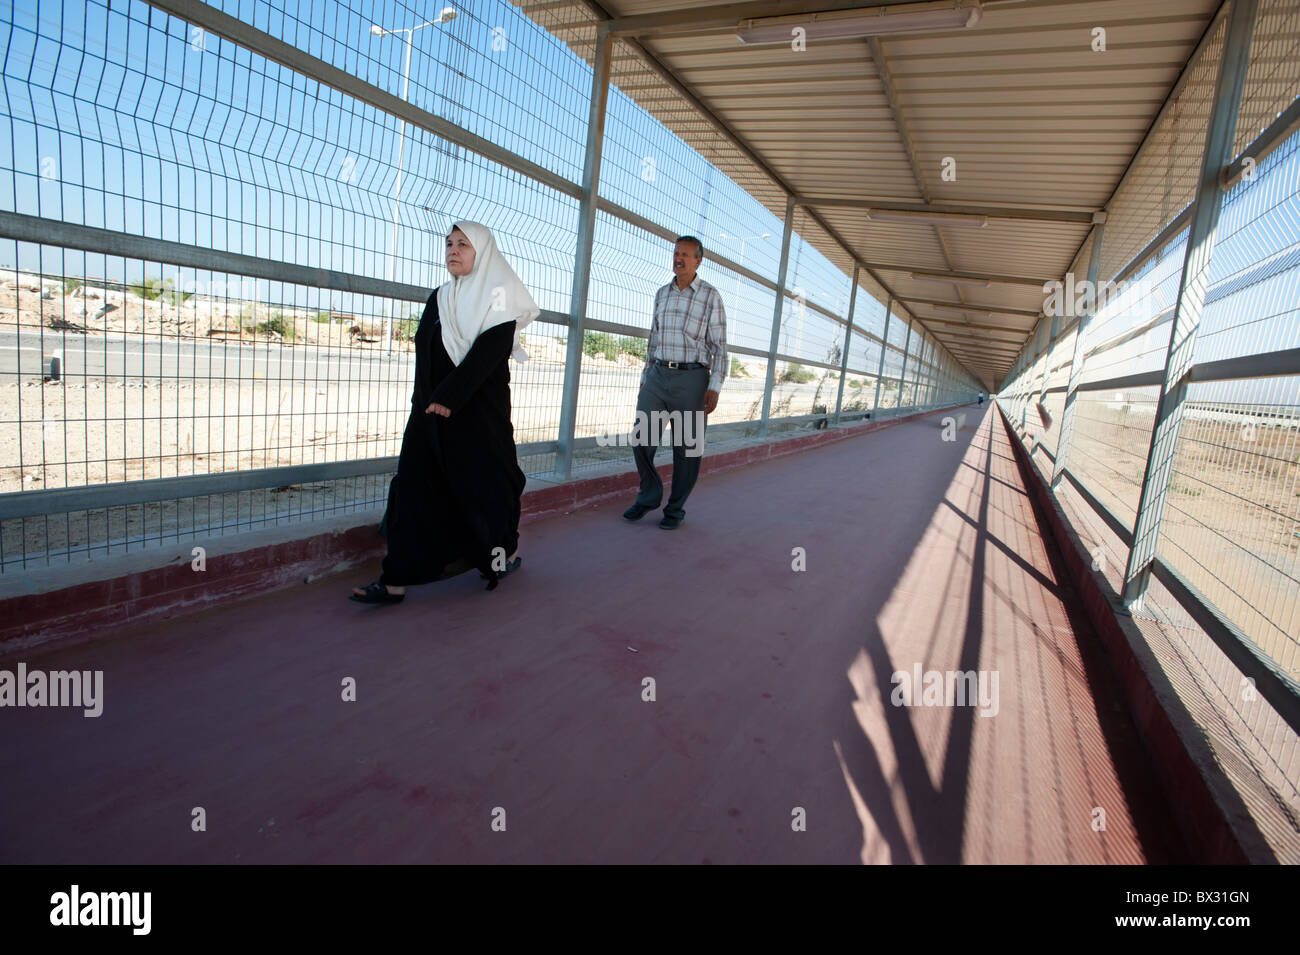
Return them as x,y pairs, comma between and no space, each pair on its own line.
1076,369
848,341
582,256
916,372
880,367
923,400
1029,374
777,309
1219,136
902,374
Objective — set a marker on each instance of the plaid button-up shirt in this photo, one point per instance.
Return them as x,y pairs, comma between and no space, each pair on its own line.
689,325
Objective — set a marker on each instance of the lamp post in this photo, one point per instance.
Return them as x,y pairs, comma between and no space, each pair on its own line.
446,16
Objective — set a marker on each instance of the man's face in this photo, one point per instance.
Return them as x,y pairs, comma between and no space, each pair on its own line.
685,261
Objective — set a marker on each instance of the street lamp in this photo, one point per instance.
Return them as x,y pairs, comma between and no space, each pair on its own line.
446,16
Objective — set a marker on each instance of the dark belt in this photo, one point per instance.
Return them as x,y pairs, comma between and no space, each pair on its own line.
684,365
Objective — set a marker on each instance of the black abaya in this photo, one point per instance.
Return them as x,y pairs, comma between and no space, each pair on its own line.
456,494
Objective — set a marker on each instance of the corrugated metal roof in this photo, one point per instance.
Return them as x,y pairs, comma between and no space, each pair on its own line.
1032,115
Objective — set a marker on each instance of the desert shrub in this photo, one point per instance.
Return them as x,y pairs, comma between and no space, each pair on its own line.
404,329
600,343
277,324
151,290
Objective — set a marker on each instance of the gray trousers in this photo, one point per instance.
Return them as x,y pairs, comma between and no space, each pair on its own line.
668,390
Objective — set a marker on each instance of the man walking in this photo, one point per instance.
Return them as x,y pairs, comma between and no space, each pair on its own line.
686,361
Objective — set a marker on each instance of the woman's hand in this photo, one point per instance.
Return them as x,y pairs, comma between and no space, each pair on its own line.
436,408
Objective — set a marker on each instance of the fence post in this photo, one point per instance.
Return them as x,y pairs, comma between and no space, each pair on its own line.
1181,354
777,310
582,256
848,341
884,343
1071,391
902,374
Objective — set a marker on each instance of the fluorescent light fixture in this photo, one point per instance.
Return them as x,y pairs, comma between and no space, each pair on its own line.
927,218
871,21
950,280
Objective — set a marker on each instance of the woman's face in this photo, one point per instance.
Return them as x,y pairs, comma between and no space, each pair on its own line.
460,254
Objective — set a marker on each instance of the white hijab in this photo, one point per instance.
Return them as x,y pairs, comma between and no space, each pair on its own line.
490,295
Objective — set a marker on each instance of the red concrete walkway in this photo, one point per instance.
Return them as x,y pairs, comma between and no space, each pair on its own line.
772,696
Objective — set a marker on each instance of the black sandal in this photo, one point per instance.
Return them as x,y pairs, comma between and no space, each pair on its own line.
377,593
510,569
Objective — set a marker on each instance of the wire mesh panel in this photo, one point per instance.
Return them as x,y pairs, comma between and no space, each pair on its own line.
1228,554
1273,76
1162,180
860,380
295,232
130,122
1232,523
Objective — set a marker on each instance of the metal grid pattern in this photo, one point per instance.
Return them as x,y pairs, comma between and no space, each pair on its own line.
1274,73
1233,511
292,231
1253,306
1224,591
1232,514
1162,180
487,70
1130,332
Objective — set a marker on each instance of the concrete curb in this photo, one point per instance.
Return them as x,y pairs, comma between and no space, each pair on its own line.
1203,800
87,610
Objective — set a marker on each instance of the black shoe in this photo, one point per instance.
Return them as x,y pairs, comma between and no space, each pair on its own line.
502,575
636,512
377,593
671,523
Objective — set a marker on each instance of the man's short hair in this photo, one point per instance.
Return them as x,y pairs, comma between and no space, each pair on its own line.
699,246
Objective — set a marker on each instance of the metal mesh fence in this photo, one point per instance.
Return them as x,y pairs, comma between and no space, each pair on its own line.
1161,182
221,235
1226,575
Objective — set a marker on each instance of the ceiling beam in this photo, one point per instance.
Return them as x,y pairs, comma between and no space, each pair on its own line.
717,18
966,307
1072,216
972,348
989,344
996,343
992,357
1021,333
877,54
986,276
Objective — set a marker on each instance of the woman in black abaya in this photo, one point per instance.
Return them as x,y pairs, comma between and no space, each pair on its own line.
454,504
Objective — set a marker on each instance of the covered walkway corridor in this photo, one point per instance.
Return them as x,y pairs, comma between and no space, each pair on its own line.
996,553
772,696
